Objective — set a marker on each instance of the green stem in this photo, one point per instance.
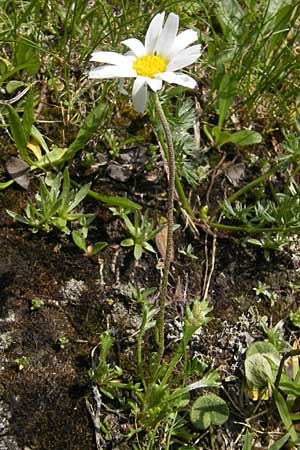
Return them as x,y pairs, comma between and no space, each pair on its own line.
248,186
222,226
287,355
139,348
182,196
170,222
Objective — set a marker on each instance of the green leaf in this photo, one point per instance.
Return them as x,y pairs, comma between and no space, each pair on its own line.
244,137
148,247
290,387
258,371
17,217
131,228
98,246
230,16
221,136
278,445
106,343
248,440
90,125
282,24
13,85
66,190
28,115
226,94
56,156
138,251
35,133
114,200
209,380
5,184
196,317
208,410
79,239
81,194
284,414
26,56
266,349
17,132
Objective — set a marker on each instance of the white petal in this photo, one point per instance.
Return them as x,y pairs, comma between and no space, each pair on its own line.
110,58
182,41
184,58
167,36
112,72
139,94
178,78
135,45
154,83
153,32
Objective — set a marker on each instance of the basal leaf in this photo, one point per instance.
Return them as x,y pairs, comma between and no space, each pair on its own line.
98,246
258,371
208,410
17,131
56,156
226,94
79,239
245,137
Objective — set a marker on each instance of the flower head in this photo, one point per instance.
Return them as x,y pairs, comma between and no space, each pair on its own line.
158,60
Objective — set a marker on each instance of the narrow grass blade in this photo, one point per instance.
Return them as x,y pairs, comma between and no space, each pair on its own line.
284,414
248,440
280,443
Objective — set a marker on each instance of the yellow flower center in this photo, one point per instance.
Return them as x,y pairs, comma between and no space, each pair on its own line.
150,65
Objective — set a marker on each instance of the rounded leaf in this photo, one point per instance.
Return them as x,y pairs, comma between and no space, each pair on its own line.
208,410
258,370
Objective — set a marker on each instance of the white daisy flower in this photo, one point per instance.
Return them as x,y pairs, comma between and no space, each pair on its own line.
158,60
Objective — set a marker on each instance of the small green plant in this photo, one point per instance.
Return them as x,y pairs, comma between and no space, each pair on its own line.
104,374
158,404
54,206
36,303
141,230
63,341
188,252
22,362
273,219
80,238
294,317
264,291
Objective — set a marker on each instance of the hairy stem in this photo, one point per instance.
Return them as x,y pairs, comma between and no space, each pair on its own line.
170,223
179,188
